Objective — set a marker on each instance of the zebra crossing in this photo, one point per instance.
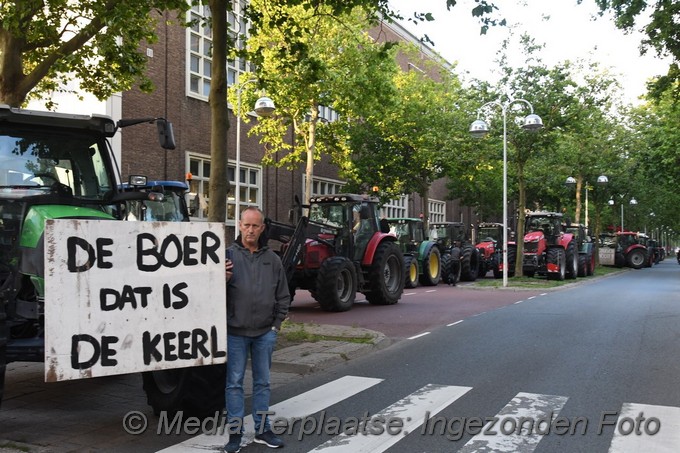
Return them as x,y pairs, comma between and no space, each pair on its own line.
519,426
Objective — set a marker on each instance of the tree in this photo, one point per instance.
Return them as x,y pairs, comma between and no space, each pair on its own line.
340,57
407,145
46,43
663,34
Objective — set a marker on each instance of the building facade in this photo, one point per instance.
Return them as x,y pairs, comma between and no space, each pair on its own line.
179,65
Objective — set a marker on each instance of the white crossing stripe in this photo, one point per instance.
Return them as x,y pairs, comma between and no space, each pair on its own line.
660,429
411,411
517,425
301,405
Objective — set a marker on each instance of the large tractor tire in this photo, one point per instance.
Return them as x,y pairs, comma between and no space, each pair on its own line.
572,261
591,263
336,284
469,263
3,348
451,266
635,259
512,258
557,256
196,391
411,270
498,258
386,275
583,265
432,267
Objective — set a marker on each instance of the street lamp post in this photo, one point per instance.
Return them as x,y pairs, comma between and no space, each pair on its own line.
571,181
632,202
478,129
264,106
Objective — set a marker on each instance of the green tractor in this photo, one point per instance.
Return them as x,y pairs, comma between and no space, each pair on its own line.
460,256
422,257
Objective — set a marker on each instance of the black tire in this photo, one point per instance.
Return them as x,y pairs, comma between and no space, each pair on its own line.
3,348
571,269
635,259
451,266
432,267
591,264
469,263
582,265
484,266
386,275
336,284
512,258
557,256
411,276
196,391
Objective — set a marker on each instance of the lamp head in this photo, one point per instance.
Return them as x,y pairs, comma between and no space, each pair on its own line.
570,181
633,201
264,106
532,122
479,129
602,179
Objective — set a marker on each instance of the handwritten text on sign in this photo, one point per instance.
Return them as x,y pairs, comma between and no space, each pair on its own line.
124,297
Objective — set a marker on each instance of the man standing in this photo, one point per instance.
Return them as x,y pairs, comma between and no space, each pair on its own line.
257,303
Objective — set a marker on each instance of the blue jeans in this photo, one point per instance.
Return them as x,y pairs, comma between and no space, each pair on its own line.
261,349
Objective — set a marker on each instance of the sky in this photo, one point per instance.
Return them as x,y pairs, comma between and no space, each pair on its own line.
568,34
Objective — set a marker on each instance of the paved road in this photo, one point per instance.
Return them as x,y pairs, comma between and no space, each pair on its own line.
419,310
581,369
578,352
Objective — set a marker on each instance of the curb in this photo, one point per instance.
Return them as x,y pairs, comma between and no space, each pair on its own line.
309,357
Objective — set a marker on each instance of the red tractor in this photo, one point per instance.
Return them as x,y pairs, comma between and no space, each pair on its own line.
548,249
340,248
490,246
624,248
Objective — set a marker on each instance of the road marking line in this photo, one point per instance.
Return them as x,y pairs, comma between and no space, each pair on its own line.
532,297
301,405
418,336
518,302
665,440
431,291
412,411
409,294
512,428
543,294
454,323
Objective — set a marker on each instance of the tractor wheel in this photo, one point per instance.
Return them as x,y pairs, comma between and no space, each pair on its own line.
557,256
635,259
469,264
3,348
386,275
512,258
411,270
451,266
483,267
198,391
498,259
432,267
572,261
336,284
582,265
591,264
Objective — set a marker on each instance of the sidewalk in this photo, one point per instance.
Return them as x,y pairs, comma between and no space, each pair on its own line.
33,403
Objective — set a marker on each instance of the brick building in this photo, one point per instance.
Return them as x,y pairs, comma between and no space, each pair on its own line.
179,67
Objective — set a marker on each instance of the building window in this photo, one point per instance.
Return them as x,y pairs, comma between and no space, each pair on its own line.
321,186
397,208
199,48
250,193
437,211
199,167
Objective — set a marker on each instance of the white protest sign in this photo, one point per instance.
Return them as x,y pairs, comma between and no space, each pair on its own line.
124,297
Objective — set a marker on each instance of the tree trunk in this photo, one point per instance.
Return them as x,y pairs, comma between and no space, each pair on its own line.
219,110
311,143
521,182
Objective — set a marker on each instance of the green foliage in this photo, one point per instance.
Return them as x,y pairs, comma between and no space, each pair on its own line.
47,43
